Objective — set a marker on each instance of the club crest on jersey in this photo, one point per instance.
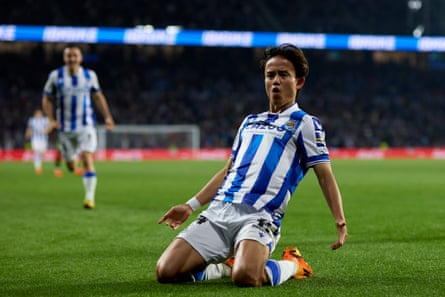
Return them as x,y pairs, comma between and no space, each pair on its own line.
291,125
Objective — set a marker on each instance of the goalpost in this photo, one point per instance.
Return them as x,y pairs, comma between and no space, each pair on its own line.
149,136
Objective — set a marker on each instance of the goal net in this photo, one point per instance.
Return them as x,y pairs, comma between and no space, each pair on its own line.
149,136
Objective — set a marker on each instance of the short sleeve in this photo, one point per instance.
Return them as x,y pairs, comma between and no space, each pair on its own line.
312,142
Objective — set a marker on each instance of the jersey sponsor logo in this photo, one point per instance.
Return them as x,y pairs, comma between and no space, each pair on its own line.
80,89
264,126
261,126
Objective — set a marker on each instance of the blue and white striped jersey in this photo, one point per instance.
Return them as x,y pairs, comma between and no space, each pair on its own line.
271,154
39,127
72,95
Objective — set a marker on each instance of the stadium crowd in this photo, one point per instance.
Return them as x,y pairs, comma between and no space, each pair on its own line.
361,103
364,99
327,16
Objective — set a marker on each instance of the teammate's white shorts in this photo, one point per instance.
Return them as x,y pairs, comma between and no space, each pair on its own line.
218,230
71,143
39,145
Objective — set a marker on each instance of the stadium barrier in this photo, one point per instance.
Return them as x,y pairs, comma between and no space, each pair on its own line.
223,153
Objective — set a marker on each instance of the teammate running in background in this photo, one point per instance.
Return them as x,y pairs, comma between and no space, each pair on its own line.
37,131
248,198
72,88
58,172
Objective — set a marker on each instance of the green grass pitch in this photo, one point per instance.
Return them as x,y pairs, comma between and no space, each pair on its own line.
51,246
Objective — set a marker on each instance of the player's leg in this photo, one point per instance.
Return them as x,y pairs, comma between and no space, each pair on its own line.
178,262
70,144
255,243
87,140
77,162
200,243
37,148
67,145
54,138
249,266
89,179
57,162
38,162
74,163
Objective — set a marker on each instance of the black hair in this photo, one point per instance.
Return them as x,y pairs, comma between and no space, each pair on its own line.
292,53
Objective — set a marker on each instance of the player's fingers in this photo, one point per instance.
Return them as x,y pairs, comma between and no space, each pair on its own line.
172,224
162,219
166,216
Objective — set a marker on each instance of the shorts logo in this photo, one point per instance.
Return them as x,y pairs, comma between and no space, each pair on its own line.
264,227
201,220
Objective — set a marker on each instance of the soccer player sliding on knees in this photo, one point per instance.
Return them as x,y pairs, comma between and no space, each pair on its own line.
247,199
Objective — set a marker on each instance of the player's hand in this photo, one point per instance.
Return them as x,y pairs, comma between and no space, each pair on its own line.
176,216
342,234
54,125
109,123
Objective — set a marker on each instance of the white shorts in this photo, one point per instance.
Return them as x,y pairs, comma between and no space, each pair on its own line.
39,145
219,229
72,143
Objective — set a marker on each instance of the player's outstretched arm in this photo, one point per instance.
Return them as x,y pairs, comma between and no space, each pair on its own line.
342,232
332,195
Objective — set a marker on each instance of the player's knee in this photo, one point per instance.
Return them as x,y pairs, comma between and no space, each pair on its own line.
245,278
165,273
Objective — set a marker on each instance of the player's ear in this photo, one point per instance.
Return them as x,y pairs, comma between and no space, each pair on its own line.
300,82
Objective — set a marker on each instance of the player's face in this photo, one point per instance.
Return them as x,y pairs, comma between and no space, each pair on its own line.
280,83
72,56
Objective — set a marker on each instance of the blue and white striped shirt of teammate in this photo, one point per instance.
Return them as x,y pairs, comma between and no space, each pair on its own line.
277,150
39,125
73,97
71,89
37,132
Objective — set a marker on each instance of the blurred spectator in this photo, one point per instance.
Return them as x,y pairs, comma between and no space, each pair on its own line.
327,16
361,101
365,99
